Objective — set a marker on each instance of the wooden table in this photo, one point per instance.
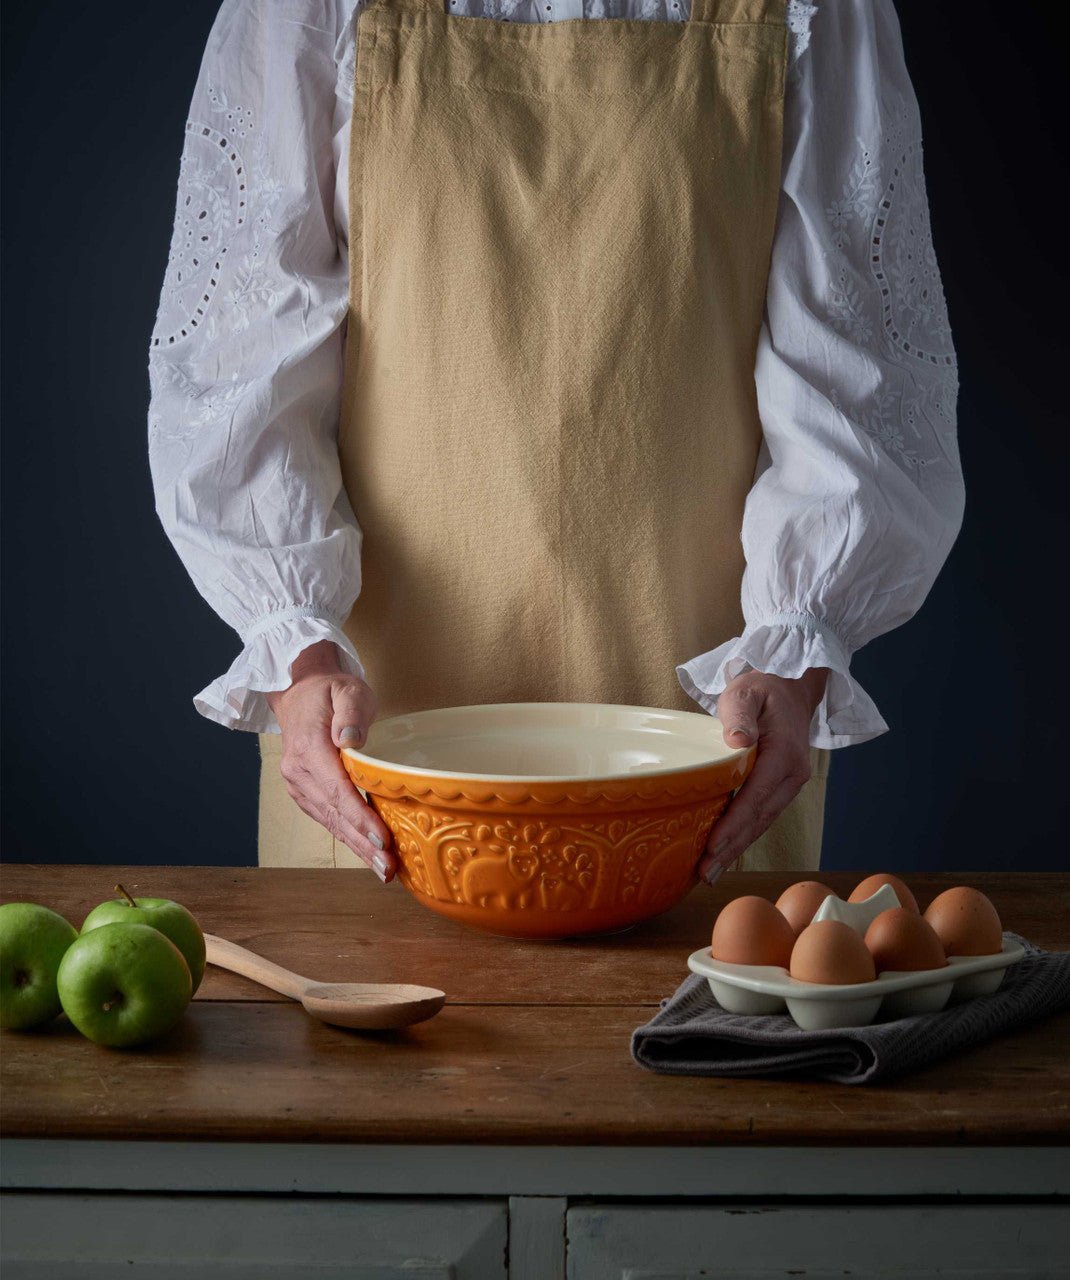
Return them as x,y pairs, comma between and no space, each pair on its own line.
512,1135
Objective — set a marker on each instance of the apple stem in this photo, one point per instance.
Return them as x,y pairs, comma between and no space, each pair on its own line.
119,889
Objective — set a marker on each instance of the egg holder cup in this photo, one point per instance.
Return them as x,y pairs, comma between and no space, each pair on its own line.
814,1006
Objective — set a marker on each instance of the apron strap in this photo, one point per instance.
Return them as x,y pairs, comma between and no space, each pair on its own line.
701,10
410,6
736,11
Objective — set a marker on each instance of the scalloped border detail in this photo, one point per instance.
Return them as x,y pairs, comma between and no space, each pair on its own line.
697,785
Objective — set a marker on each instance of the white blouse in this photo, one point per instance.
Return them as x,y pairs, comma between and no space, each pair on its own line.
858,494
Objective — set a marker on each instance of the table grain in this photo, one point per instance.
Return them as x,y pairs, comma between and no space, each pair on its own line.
532,1046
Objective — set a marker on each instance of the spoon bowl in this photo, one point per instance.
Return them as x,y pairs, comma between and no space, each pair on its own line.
372,1006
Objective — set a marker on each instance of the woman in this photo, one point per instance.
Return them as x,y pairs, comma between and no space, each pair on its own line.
523,351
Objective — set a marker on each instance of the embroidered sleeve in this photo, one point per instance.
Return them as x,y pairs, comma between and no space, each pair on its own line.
245,356
859,492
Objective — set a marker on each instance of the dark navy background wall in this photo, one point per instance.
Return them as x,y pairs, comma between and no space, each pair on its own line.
106,640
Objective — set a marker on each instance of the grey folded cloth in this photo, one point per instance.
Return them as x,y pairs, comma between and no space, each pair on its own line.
692,1035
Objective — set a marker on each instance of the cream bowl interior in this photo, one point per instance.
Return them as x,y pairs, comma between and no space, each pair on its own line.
547,741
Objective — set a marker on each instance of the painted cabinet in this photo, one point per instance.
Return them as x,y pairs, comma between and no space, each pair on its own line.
649,1242
99,1237
270,1237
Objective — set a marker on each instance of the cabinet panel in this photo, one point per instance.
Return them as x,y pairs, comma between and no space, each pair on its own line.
96,1237
652,1242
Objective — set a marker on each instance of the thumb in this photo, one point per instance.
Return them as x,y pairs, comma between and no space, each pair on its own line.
738,709
352,716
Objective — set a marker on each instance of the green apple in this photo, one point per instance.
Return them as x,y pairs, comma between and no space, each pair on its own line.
172,920
123,984
32,942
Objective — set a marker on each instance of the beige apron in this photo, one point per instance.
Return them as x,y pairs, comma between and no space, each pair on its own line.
559,241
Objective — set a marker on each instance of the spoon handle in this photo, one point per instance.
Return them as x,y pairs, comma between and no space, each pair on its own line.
228,955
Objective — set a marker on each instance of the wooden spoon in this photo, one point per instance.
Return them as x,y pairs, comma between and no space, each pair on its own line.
369,1006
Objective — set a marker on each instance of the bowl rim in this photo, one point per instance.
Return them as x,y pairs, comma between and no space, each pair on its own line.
731,753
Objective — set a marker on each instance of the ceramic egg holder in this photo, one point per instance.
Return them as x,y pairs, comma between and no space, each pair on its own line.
815,1006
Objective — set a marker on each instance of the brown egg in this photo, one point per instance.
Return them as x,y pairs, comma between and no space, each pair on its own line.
871,884
832,952
800,901
900,940
750,930
966,922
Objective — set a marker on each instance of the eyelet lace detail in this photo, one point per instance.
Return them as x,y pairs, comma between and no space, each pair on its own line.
882,217
225,208
798,17
213,204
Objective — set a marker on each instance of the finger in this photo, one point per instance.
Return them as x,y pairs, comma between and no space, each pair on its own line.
353,714
713,872
757,811
329,787
320,808
382,863
360,838
739,709
336,787
307,795
777,777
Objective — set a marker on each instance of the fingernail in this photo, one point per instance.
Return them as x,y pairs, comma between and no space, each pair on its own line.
376,839
714,874
350,735
379,866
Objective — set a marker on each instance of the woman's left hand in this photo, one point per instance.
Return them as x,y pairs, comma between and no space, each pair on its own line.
775,713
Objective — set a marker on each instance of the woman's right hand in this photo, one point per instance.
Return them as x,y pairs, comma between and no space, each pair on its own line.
323,710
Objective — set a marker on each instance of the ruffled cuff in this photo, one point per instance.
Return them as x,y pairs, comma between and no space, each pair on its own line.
788,644
237,699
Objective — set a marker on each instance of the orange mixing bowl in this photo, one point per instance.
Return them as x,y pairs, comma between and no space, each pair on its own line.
548,819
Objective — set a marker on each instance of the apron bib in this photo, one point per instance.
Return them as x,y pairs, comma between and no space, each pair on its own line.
559,242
